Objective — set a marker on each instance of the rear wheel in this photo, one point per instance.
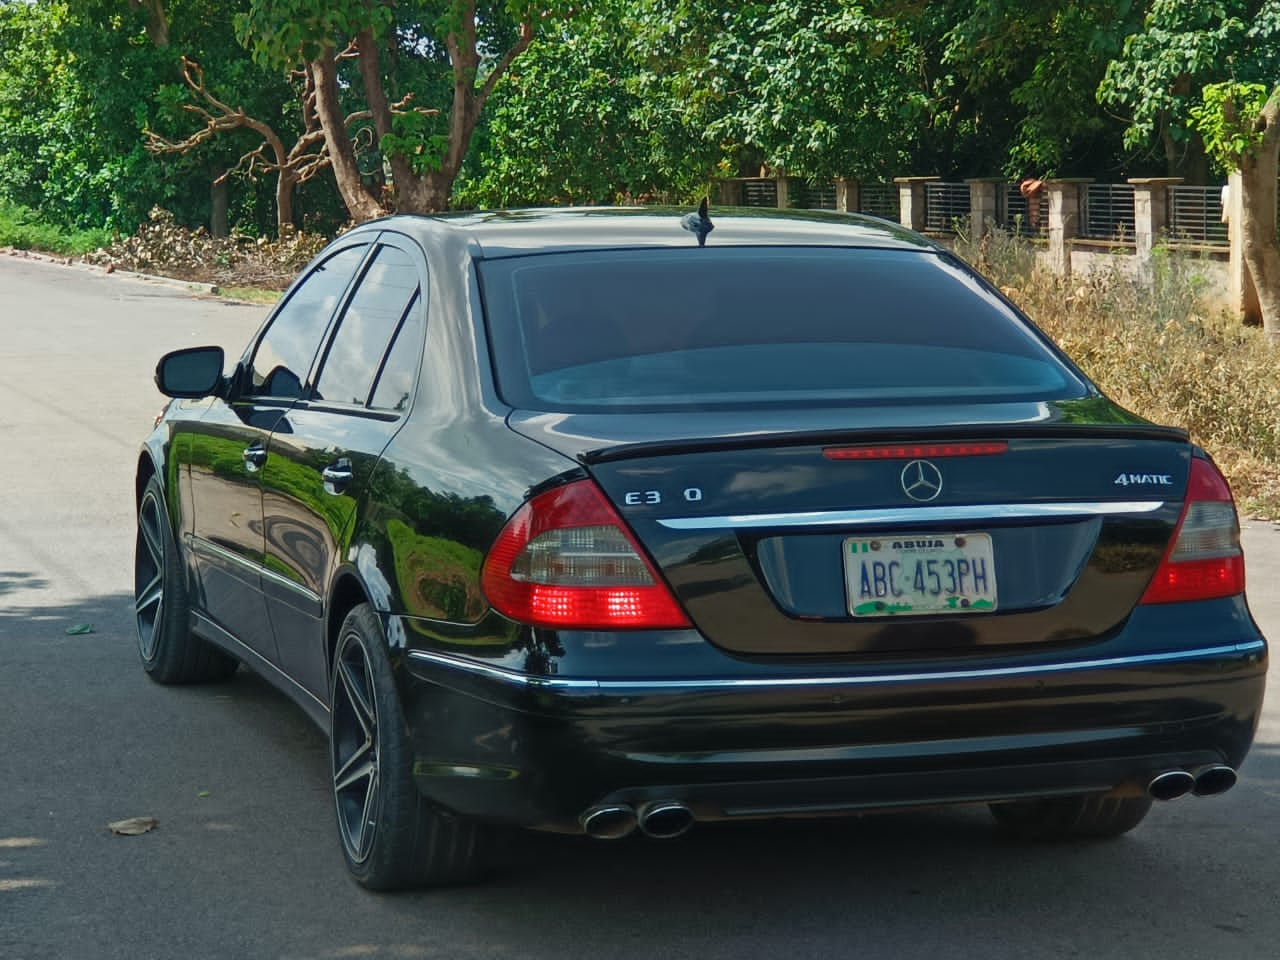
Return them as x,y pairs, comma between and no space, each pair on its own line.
1093,816
392,838
166,646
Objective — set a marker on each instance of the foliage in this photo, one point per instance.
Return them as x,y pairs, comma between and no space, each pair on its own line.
22,229
1042,62
1226,121
1182,48
581,119
395,44
1160,351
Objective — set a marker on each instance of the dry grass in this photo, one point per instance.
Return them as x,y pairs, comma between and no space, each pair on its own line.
1152,346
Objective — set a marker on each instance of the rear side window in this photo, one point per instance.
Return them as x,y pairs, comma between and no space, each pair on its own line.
283,357
370,321
687,328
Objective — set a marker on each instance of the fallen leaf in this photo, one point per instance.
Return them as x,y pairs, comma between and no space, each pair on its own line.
80,629
134,826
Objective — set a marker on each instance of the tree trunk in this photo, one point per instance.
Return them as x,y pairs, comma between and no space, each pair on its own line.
361,204
218,203
286,180
1261,250
157,21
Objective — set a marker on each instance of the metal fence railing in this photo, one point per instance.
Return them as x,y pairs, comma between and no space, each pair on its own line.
1108,212
879,200
760,193
1195,215
944,203
818,195
1014,213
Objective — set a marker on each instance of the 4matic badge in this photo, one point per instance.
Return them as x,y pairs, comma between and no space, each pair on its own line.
1144,480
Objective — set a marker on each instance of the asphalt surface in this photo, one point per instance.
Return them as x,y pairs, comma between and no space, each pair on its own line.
245,860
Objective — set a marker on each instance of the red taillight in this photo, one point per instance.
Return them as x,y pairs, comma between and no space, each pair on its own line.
915,451
566,560
1203,561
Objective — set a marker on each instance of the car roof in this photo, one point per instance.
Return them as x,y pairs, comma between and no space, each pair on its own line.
505,233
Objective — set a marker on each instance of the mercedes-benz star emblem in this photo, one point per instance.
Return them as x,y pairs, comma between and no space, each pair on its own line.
921,480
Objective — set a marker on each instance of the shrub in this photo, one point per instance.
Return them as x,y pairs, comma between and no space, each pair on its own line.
1152,345
21,228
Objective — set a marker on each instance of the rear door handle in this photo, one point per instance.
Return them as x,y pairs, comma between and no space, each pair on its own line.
254,457
337,476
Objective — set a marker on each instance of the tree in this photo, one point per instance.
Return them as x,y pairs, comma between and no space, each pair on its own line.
1240,123
816,89
588,117
1208,74
1159,76
424,148
1025,76
291,166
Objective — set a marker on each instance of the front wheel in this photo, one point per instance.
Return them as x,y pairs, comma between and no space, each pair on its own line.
1088,817
170,653
391,836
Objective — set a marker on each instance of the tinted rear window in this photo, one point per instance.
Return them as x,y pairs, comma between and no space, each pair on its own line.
695,328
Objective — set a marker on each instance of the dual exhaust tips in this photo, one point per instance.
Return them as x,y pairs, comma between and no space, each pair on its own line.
667,819
661,819
1204,782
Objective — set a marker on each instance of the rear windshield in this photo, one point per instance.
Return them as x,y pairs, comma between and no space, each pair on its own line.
662,330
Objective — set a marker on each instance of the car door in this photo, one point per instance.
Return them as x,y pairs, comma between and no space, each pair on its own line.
227,449
324,448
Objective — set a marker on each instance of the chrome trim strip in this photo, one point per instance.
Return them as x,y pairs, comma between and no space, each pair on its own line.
904,515
209,548
766,683
282,581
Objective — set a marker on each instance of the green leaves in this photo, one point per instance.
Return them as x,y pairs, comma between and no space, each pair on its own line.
1225,119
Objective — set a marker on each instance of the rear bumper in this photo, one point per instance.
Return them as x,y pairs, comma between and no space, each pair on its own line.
503,745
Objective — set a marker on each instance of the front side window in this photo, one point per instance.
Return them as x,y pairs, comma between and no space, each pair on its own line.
689,328
388,287
284,354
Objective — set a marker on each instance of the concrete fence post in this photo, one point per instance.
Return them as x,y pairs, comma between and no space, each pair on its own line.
1241,292
847,198
784,190
1150,213
1064,221
911,201
983,203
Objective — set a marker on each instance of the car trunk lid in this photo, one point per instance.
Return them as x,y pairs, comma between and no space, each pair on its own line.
756,521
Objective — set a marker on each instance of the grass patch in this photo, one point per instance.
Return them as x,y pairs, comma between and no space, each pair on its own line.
23,229
250,294
1153,346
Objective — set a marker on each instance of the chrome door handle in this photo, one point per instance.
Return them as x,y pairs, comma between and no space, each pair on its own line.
337,475
254,457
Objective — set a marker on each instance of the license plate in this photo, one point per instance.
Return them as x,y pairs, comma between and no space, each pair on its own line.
920,573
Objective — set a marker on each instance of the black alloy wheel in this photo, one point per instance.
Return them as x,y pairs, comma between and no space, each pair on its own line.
392,837
166,646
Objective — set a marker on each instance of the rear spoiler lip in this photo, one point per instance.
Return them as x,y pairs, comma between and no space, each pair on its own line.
995,431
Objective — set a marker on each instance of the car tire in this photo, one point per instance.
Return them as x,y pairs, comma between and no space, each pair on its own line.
1088,817
170,653
392,837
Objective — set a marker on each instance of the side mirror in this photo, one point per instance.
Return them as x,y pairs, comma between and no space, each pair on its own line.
190,374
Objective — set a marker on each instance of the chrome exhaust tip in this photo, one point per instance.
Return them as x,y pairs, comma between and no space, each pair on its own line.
665,819
1171,784
1213,780
610,821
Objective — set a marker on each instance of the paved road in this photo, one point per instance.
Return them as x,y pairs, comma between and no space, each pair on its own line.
245,862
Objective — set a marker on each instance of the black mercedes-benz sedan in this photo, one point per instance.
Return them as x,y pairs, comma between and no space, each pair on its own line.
606,520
